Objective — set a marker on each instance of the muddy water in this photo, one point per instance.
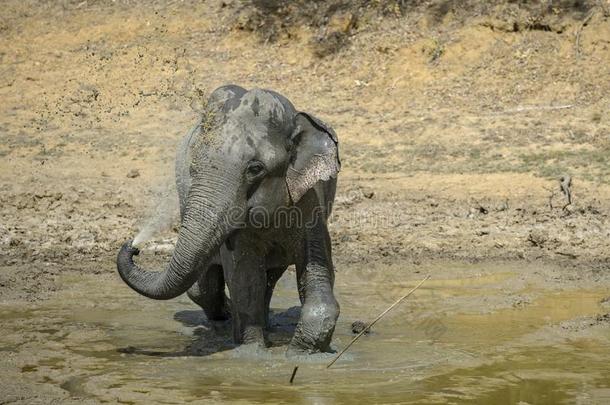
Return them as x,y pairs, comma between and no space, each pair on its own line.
472,334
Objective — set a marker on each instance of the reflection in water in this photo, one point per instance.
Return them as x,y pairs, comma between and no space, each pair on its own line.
485,337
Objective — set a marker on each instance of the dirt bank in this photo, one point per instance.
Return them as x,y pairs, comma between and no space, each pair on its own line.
453,133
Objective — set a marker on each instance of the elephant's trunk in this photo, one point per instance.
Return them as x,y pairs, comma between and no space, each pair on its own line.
204,228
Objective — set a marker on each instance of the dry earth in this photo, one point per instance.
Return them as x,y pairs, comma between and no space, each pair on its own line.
453,133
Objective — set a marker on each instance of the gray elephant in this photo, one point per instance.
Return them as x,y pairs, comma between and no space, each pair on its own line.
256,182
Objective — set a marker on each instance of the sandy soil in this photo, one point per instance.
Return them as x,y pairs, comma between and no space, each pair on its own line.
454,132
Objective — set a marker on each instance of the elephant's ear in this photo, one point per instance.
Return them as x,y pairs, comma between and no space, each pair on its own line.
315,155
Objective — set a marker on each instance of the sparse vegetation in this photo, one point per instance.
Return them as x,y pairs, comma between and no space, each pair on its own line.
273,19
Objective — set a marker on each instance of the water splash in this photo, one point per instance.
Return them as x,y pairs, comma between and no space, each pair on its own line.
162,212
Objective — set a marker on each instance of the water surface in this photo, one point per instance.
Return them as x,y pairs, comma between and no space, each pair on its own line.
487,335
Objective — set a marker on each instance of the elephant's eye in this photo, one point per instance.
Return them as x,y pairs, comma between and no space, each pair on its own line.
255,169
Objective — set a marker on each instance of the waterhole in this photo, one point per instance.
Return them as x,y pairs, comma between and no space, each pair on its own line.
486,334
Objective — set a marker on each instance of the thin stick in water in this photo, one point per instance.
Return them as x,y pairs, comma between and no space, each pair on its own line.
375,321
294,372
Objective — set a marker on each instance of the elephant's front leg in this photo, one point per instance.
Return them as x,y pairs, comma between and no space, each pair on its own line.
246,277
315,277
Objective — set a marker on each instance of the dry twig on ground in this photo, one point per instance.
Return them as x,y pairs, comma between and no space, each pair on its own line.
579,32
565,183
552,195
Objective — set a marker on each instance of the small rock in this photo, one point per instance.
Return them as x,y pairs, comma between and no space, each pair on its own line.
133,173
346,238
521,302
359,326
538,237
503,207
482,210
127,350
342,22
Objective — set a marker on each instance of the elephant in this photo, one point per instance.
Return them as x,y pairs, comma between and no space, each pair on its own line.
256,181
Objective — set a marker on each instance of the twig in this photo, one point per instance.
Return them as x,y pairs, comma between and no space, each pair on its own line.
535,108
551,196
568,254
294,372
394,83
565,182
584,22
375,321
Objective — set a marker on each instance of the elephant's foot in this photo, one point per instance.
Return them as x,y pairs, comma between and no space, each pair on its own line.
254,335
315,329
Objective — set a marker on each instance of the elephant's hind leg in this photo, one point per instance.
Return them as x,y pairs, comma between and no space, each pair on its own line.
209,293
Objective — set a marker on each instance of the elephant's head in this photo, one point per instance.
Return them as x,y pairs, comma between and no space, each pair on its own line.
252,151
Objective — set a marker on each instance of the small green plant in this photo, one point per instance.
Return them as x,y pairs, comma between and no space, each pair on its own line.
437,51
596,117
475,153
